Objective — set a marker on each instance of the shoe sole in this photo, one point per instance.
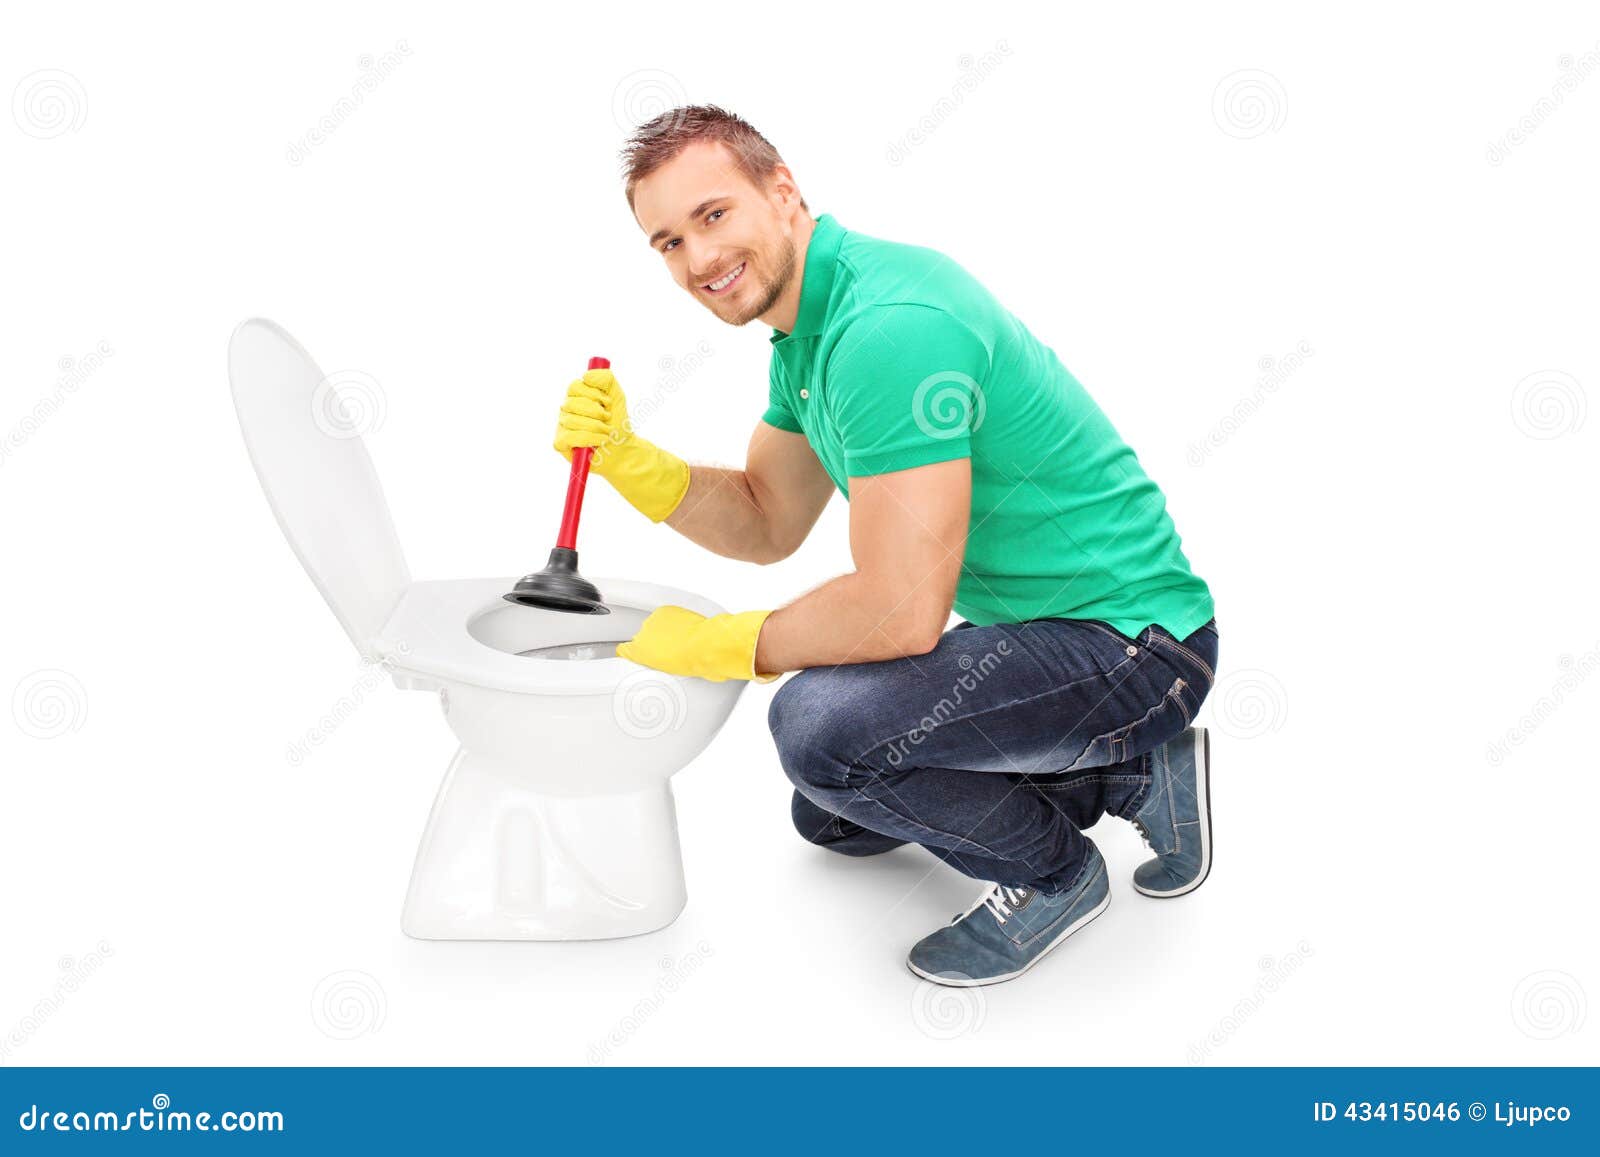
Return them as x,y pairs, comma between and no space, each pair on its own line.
1202,775
971,982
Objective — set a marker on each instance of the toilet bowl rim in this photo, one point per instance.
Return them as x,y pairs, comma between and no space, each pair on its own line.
427,637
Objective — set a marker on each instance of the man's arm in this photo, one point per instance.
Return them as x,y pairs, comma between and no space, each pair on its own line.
908,535
763,512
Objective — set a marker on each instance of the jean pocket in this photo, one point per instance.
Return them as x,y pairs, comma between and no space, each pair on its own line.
1198,668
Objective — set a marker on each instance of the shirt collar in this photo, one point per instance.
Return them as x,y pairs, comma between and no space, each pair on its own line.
816,283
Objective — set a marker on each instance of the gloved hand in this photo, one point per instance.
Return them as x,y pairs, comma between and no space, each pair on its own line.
681,642
596,414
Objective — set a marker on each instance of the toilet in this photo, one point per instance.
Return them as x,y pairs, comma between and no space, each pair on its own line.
555,820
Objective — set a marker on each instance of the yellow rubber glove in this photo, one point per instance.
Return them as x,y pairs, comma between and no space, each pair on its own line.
681,642
596,414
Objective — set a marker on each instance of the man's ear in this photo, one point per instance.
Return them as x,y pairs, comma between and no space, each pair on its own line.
783,191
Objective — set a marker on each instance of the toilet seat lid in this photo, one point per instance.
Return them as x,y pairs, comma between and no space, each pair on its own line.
304,440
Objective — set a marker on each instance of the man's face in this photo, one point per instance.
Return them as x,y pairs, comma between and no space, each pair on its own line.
725,241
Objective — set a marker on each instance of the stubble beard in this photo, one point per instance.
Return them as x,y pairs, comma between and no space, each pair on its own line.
775,289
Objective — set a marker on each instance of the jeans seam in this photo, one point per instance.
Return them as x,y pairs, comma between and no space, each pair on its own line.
1120,739
1078,781
1176,695
1211,676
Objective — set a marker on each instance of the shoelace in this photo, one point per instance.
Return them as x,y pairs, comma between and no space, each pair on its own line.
1000,900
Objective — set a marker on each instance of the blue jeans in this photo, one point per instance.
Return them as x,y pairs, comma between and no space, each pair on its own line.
995,749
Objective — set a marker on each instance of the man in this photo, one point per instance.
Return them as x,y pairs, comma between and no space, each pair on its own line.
980,477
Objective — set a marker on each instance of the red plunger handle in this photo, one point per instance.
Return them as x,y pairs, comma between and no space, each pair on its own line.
576,481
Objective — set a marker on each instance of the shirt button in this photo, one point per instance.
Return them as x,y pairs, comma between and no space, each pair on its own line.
804,394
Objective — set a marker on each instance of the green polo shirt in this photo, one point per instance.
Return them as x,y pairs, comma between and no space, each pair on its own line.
899,358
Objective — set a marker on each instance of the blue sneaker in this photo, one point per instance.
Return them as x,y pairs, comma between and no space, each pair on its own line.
1009,930
1175,820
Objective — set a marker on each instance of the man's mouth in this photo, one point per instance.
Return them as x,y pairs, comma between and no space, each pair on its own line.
726,282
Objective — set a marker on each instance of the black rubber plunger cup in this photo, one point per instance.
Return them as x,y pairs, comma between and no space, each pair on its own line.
559,586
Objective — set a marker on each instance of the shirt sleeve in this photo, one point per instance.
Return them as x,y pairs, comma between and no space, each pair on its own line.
904,387
778,413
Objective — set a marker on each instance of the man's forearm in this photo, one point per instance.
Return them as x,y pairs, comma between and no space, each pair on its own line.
722,513
856,618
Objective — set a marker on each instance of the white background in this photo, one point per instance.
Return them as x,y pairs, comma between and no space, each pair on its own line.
1399,533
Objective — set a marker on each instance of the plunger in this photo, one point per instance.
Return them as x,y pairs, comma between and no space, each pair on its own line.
559,586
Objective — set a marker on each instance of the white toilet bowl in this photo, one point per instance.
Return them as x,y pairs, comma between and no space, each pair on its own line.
555,820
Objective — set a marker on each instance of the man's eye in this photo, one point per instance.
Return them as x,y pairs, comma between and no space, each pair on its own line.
714,214
667,248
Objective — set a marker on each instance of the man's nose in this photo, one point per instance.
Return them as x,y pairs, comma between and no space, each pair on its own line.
704,261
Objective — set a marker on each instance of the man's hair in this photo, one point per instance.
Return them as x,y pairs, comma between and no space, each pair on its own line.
658,141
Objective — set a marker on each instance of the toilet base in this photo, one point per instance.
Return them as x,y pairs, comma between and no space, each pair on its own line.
499,861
